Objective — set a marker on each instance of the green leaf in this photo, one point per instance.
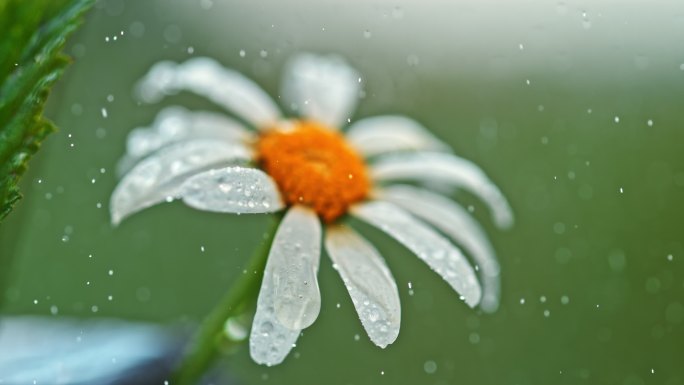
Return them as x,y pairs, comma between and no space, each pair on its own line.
33,33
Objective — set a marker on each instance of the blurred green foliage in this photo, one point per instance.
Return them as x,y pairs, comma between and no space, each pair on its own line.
33,34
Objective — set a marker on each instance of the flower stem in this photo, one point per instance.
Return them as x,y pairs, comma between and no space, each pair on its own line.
203,349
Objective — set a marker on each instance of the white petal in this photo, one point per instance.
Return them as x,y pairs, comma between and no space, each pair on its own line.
322,88
383,134
293,259
435,250
175,124
159,176
208,78
236,190
445,168
269,340
454,221
369,282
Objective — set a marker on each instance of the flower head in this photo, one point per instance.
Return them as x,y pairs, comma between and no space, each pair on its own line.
304,165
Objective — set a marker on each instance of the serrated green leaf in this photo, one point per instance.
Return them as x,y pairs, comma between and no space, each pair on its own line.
33,33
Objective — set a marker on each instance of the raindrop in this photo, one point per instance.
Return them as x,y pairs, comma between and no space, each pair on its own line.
565,300
110,272
263,53
616,119
367,34
357,337
430,367
110,98
104,112
559,228
35,302
649,122
621,190
202,249
54,310
94,308
110,297
547,313
191,50
522,301
542,299
669,257
242,53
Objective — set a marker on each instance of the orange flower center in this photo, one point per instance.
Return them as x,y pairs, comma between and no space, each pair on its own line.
313,165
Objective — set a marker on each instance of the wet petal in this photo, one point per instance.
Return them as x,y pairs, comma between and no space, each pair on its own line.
435,250
293,259
369,282
383,134
445,168
158,177
236,190
208,78
176,124
322,88
454,221
269,340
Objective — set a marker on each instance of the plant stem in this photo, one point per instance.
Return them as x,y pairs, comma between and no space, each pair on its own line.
203,349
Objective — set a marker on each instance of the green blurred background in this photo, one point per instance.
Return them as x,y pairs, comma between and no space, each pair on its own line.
575,109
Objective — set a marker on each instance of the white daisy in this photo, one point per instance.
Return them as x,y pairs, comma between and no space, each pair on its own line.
305,166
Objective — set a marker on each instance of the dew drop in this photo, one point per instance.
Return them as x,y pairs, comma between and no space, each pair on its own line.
430,367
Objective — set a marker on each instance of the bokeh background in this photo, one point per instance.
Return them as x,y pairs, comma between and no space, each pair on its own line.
574,108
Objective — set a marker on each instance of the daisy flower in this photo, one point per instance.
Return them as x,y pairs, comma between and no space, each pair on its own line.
264,162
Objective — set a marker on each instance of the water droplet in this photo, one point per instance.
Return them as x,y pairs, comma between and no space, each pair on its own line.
104,112
430,367
565,300
263,53
110,272
547,313
616,119
522,301
367,34
649,122
542,299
